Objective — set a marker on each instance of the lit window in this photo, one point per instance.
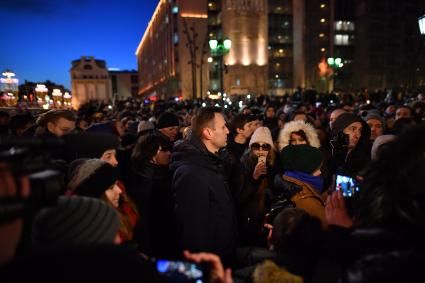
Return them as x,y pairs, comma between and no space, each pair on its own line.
342,39
175,9
238,82
344,25
176,38
322,20
322,6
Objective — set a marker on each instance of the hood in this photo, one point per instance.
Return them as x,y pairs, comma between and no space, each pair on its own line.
295,126
344,120
270,272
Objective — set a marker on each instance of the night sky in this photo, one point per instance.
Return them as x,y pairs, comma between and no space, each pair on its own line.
40,38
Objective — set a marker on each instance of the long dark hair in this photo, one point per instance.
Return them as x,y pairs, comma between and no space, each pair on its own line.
147,146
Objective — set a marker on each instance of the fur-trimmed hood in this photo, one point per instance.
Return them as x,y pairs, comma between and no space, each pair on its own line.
269,272
295,126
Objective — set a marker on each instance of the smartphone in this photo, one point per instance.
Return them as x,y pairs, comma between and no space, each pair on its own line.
262,158
348,186
179,271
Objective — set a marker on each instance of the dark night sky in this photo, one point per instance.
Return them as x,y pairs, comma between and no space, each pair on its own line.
40,38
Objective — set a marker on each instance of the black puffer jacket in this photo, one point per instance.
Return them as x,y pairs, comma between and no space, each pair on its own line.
149,187
204,211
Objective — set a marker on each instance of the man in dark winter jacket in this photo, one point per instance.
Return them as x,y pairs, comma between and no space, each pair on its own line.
349,147
205,215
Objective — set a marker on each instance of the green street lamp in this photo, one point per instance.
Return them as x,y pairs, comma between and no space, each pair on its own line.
335,63
219,48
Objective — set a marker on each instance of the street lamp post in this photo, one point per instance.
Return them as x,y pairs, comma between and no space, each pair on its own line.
335,64
219,48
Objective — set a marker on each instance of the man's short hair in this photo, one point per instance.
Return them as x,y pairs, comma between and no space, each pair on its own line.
238,122
53,115
204,118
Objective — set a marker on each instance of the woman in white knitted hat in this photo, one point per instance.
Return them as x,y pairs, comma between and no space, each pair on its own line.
250,185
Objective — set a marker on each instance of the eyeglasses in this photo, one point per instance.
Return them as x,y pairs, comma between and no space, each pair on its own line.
264,146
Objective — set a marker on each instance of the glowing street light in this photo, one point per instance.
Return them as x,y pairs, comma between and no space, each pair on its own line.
41,92
57,97
421,22
335,63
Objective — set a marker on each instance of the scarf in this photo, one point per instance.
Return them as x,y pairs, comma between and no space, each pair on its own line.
315,181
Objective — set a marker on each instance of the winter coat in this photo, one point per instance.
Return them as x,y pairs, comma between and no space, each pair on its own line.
204,211
150,189
303,195
340,161
252,198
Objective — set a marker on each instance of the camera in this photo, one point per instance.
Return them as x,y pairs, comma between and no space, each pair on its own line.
33,158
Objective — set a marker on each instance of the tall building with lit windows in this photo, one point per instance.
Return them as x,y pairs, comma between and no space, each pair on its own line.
244,23
172,53
389,51
279,45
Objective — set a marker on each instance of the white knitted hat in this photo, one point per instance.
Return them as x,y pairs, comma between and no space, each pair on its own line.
262,135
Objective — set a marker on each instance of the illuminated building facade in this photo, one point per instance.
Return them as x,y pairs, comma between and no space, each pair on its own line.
171,56
89,81
245,66
279,45
8,88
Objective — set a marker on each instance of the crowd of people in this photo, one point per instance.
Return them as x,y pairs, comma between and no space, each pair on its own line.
251,188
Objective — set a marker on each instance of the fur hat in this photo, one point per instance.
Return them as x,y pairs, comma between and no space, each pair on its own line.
263,135
302,158
75,222
295,126
167,119
92,178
